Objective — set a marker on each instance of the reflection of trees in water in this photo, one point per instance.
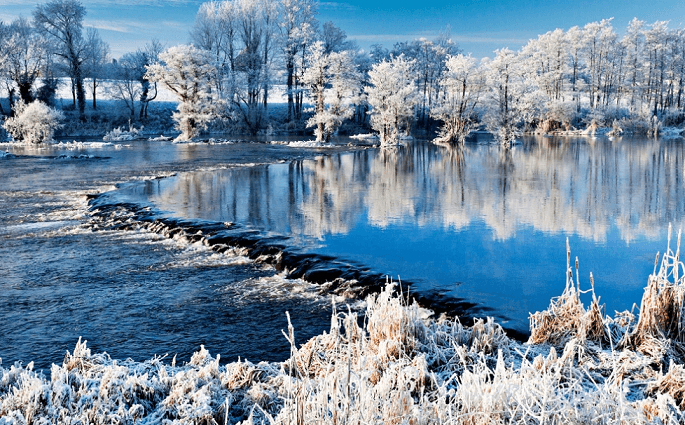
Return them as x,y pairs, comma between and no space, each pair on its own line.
553,185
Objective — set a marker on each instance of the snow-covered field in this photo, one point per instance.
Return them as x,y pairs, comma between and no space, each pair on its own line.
398,367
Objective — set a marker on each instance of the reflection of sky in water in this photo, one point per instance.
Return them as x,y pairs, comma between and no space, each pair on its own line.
475,223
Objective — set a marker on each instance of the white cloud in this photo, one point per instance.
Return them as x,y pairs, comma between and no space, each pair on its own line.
336,5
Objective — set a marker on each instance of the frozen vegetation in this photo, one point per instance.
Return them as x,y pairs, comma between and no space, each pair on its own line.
33,123
247,56
119,135
397,365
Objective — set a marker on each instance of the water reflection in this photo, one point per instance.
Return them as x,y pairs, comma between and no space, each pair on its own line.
555,186
440,215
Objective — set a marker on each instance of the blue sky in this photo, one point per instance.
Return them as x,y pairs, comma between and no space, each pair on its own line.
479,26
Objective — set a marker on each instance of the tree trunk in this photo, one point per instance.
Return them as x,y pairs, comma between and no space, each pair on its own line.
290,82
95,105
25,92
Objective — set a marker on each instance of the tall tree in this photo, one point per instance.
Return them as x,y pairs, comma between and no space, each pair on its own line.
392,96
62,20
462,86
95,56
502,77
148,56
333,81
187,72
298,26
216,31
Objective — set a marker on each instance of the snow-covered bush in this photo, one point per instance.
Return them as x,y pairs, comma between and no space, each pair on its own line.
33,123
188,72
120,135
392,96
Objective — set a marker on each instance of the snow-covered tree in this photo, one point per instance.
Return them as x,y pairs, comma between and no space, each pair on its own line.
188,73
95,56
241,35
600,41
128,71
215,30
462,86
297,29
62,22
335,39
430,56
392,96
502,116
23,56
33,123
333,81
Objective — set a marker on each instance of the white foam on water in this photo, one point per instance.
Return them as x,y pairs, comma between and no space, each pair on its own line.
278,287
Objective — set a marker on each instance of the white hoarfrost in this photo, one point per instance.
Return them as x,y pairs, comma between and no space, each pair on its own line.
398,367
333,82
392,96
188,72
33,123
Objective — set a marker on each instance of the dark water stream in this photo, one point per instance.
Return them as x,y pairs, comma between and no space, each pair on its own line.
476,231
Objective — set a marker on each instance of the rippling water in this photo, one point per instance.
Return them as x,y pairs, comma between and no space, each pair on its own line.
476,229
132,294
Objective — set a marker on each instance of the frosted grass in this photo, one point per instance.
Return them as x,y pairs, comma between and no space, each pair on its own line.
395,366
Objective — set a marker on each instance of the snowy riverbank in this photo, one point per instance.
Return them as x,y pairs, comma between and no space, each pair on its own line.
399,367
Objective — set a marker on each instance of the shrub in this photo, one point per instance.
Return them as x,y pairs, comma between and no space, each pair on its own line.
33,123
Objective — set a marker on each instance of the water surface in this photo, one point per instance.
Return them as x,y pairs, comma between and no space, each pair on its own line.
476,223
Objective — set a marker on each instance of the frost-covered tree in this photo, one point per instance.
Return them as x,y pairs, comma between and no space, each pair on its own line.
297,28
430,56
215,30
462,86
241,35
600,40
129,83
23,56
392,96
33,123
335,39
502,115
333,82
95,56
62,21
128,71
188,73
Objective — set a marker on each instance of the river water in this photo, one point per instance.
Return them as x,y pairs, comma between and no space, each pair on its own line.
91,243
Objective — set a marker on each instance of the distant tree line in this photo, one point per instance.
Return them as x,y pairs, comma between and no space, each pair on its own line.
242,52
